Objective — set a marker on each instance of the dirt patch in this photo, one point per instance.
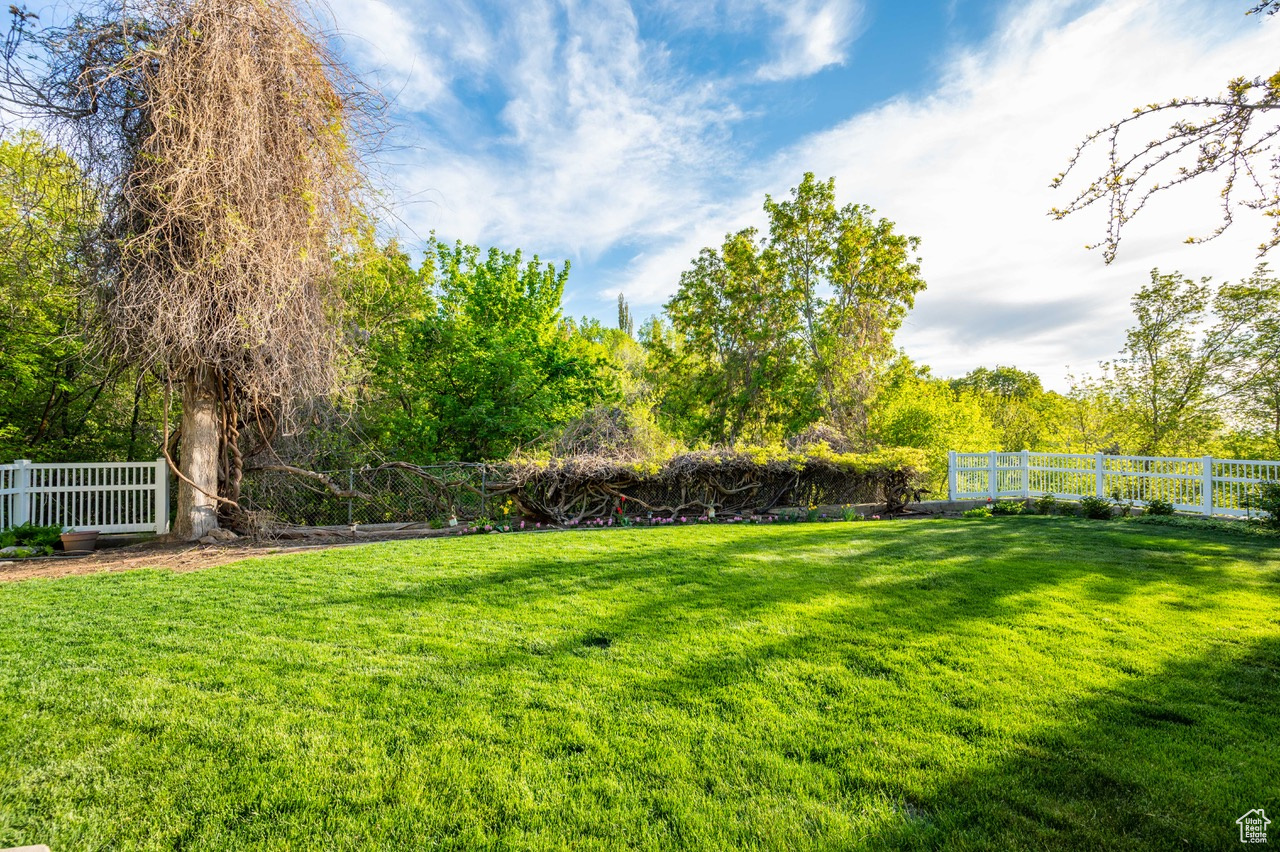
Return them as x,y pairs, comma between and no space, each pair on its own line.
184,556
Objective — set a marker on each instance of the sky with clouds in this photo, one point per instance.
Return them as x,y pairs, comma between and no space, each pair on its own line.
624,136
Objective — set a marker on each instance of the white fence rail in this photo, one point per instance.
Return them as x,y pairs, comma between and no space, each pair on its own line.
111,497
1206,485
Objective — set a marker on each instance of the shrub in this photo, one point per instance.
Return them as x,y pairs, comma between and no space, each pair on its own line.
30,535
1046,504
1097,508
1159,507
1267,501
977,512
1009,507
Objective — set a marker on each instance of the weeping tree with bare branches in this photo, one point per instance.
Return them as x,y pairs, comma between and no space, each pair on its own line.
219,140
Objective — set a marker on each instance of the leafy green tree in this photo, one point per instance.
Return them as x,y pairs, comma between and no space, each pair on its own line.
740,342
854,279
61,400
1021,411
489,366
778,331
626,323
1195,349
913,409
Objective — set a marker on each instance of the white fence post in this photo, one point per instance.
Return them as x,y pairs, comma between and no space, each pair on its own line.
22,492
952,486
992,473
162,496
1206,485
1026,474
1099,475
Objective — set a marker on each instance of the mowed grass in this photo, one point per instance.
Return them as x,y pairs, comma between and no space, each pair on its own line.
1017,683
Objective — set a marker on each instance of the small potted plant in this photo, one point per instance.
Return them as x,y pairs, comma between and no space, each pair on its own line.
82,541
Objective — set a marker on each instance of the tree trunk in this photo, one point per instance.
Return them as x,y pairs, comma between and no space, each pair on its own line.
198,458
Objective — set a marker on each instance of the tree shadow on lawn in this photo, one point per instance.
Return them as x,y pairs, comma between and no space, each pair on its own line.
1165,761
999,575
882,604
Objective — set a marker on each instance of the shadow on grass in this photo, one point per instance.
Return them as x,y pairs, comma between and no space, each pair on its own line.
917,577
1166,761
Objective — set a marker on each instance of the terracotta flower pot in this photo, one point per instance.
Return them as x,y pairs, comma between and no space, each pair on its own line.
85,541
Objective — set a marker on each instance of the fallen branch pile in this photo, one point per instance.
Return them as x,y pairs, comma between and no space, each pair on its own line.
586,486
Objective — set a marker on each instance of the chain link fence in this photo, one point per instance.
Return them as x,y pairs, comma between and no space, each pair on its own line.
383,495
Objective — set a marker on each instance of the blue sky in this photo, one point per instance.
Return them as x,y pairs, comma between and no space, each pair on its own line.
624,136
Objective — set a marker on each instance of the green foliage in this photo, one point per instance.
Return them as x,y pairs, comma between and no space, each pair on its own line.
1196,346
60,401
31,535
1097,508
1008,507
1267,500
1238,528
489,364
772,333
1046,504
977,512
914,410
1159,507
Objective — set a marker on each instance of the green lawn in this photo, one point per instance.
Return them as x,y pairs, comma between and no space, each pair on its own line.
1014,683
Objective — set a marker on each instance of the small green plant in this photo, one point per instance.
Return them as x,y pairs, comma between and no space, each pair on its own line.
1008,507
849,513
1097,508
811,514
1046,504
32,536
1267,501
977,512
1159,507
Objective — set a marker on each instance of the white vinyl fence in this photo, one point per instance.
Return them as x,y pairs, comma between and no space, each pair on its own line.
1206,485
111,497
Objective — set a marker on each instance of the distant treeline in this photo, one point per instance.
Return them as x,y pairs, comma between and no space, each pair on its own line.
777,337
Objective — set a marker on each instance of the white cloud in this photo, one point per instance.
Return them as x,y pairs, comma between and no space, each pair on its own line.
416,52
968,168
811,35
601,141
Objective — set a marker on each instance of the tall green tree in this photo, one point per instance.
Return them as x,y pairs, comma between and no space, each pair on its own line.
61,401
1196,352
779,330
854,279
740,336
491,364
913,409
